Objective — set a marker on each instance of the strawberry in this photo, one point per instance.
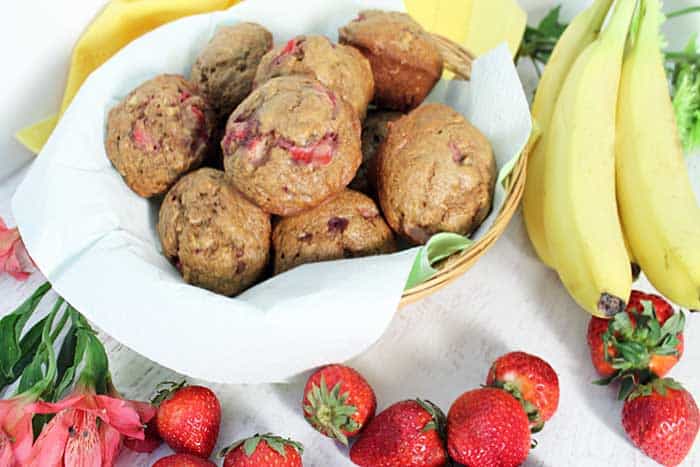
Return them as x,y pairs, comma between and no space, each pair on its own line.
409,433
661,419
188,418
338,402
183,460
532,381
636,346
263,451
150,442
488,427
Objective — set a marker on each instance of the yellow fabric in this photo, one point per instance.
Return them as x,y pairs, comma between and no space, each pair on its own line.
478,25
34,136
119,23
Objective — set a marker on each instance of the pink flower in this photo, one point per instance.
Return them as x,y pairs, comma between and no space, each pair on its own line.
75,437
16,434
11,250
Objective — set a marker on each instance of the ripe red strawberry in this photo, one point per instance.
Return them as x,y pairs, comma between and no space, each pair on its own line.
151,441
488,427
183,460
338,402
188,418
662,419
532,381
644,342
263,451
407,434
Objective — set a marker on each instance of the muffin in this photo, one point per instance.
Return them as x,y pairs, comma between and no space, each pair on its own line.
225,69
435,173
341,68
292,144
158,133
405,62
374,130
216,238
347,226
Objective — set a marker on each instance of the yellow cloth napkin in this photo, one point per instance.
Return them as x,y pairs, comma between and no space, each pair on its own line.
119,23
479,25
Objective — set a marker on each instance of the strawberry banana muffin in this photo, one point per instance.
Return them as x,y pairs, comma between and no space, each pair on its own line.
291,145
340,68
216,238
225,69
435,173
158,133
346,226
374,130
405,62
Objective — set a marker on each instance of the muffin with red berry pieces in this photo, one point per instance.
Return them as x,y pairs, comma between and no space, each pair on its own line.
225,68
339,67
347,226
435,173
405,62
216,238
291,145
158,133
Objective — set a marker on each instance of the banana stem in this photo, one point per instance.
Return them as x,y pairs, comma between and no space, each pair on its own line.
684,11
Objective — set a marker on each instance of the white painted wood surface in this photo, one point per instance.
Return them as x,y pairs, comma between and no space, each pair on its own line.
435,349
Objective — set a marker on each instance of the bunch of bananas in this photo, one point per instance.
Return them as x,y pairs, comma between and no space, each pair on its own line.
607,182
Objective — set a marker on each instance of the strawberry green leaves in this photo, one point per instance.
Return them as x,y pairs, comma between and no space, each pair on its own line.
659,386
276,443
329,410
439,420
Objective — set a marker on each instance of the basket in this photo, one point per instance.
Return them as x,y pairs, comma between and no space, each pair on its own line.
458,61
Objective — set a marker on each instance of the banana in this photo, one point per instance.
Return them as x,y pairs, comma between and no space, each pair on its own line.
578,35
660,215
582,227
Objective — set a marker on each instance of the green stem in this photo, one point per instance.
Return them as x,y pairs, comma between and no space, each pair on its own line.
683,56
684,11
48,340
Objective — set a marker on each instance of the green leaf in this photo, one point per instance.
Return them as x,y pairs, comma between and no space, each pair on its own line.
11,327
550,25
438,248
250,445
33,373
28,345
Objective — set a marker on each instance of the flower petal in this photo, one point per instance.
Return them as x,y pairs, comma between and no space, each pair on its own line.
120,415
145,410
23,436
83,448
11,249
7,458
48,407
50,446
16,423
8,237
111,441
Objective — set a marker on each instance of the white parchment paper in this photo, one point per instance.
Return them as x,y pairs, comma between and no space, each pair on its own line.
96,242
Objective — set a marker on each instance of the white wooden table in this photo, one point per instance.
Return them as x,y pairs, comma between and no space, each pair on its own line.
435,349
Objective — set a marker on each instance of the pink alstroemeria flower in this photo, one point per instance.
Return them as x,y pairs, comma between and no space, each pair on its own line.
16,434
88,429
11,249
